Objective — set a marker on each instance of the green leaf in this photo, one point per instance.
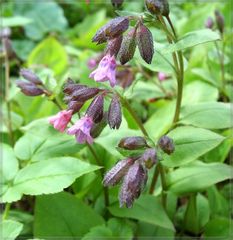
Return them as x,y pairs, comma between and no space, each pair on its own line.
109,138
191,39
47,17
197,177
220,228
160,122
9,166
198,91
97,232
191,143
212,115
44,144
71,218
15,21
10,229
49,53
147,209
46,177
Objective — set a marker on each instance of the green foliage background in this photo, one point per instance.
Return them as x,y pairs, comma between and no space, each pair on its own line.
53,184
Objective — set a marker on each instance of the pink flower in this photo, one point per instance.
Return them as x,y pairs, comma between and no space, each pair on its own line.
91,63
106,70
162,76
61,120
81,129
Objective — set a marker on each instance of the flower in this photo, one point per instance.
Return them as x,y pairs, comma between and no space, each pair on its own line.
61,120
106,70
81,129
162,76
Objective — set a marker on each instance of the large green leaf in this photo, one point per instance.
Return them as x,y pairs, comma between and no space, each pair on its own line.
197,176
44,144
191,39
147,209
70,217
160,122
9,166
10,229
49,53
212,115
46,177
191,143
46,16
198,91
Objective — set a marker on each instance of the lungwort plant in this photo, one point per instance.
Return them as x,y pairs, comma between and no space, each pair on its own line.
135,137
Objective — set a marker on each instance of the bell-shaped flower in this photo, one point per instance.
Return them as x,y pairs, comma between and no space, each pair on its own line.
61,120
106,70
81,129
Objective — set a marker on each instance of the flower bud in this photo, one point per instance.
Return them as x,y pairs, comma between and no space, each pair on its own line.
145,43
7,47
114,46
95,110
30,76
29,89
112,29
220,21
114,113
117,3
98,127
149,157
128,46
209,23
158,7
132,143
133,184
166,144
71,86
125,77
75,106
84,93
114,176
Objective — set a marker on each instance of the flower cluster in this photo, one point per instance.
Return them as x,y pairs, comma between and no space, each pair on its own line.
133,170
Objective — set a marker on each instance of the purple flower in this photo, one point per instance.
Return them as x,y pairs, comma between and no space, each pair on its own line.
106,70
162,76
61,120
209,23
91,63
81,129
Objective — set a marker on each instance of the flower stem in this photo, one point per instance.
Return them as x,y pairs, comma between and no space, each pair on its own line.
134,115
6,211
154,180
163,183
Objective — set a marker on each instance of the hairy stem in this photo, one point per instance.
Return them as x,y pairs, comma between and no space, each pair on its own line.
154,180
6,211
163,183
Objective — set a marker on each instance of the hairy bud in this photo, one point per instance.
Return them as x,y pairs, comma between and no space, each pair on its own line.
95,110
114,113
30,76
128,46
98,127
114,46
133,184
209,23
29,89
112,29
84,93
125,77
75,106
166,144
149,157
158,7
220,21
5,32
115,175
7,46
145,43
132,143
117,3
70,86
